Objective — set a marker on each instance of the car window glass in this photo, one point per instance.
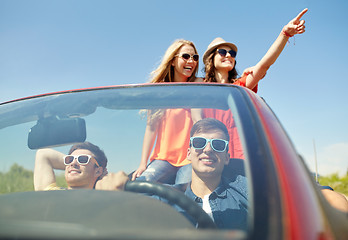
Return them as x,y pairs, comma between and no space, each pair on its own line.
115,120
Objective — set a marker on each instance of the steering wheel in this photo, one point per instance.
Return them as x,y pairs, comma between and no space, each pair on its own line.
174,196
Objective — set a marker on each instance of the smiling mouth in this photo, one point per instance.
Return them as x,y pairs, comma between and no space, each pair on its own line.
74,171
207,161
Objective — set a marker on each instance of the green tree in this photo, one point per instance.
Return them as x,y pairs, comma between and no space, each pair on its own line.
19,179
339,184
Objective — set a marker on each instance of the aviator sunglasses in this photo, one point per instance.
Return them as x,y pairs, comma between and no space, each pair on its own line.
223,52
187,56
81,159
218,145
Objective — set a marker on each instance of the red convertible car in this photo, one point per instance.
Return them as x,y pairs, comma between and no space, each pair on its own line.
284,201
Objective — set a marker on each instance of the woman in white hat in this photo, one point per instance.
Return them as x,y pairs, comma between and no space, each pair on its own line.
220,66
171,127
220,63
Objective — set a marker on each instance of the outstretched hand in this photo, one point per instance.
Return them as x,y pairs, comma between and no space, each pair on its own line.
248,71
296,25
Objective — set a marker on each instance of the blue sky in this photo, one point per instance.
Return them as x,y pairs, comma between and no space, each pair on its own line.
48,46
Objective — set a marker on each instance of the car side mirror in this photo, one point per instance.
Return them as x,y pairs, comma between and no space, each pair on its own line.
50,132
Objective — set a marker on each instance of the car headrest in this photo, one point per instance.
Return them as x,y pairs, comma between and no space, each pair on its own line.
234,168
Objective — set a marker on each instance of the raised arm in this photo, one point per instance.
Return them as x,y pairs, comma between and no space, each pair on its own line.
46,161
295,26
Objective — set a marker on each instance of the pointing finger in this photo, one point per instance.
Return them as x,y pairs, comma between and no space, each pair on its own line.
299,16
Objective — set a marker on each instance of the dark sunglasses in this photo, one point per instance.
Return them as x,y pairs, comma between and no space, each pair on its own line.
223,52
81,159
187,56
218,145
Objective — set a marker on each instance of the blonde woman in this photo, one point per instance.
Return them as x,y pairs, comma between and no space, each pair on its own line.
170,127
220,67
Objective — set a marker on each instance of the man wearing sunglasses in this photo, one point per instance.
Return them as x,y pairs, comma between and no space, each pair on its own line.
224,201
85,167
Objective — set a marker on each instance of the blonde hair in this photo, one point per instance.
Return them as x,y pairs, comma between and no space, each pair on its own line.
165,71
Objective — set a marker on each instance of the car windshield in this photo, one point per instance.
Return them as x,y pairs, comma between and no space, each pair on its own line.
115,119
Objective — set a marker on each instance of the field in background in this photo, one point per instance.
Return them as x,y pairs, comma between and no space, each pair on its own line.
18,179
339,184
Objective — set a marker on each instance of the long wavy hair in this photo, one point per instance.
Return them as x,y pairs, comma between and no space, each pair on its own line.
165,73
209,70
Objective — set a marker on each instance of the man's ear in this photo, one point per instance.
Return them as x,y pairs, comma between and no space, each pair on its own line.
188,154
99,171
227,161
